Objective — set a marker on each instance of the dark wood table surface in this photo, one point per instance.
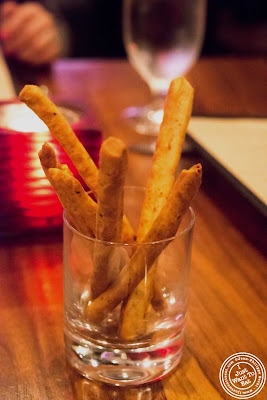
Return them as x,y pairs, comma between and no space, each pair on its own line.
226,311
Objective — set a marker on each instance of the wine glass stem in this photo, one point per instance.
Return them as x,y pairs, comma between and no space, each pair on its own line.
156,107
158,99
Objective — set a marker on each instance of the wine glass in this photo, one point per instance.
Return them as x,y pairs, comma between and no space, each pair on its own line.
163,39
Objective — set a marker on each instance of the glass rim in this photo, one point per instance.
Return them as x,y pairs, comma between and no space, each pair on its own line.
186,229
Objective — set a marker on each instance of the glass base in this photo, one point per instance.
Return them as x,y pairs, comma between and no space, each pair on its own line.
123,365
144,120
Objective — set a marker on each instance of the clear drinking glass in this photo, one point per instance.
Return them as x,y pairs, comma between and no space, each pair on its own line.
96,349
163,39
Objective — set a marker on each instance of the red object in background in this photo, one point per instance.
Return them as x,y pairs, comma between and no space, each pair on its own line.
27,200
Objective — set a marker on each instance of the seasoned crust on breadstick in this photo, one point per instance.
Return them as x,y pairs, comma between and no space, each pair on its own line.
165,226
113,162
78,205
48,158
48,112
165,162
177,112
112,168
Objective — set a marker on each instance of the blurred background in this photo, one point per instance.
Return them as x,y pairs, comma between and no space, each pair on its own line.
38,32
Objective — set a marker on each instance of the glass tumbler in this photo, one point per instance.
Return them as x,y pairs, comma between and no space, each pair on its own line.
138,337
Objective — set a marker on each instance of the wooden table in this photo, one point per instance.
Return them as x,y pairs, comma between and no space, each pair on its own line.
226,312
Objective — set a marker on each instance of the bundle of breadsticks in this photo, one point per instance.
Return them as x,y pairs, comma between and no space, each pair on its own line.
166,201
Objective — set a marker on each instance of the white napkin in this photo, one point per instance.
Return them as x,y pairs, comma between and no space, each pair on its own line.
239,145
7,90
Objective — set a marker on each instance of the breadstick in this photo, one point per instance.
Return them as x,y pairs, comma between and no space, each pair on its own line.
165,226
166,158
74,199
112,169
35,99
48,159
177,112
65,168
134,308
48,112
82,250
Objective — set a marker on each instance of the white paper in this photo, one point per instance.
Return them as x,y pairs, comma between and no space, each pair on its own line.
239,145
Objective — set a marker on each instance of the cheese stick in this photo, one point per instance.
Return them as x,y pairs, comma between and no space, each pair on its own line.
81,248
75,201
112,169
165,226
177,111
48,159
66,169
48,112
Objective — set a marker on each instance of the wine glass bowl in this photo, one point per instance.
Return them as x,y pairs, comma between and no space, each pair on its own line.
163,39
